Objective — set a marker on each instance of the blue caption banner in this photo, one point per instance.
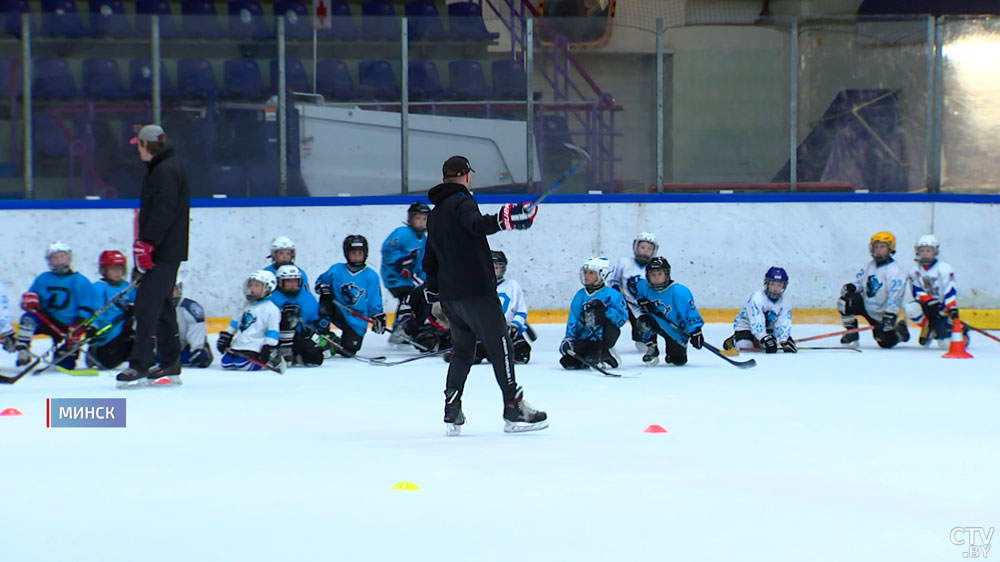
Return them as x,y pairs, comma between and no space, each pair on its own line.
85,412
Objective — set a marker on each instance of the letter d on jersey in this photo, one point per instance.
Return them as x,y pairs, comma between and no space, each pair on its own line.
85,412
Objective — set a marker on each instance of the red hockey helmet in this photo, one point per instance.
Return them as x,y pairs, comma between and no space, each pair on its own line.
112,257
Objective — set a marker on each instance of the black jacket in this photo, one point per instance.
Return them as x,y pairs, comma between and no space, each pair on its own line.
165,208
457,261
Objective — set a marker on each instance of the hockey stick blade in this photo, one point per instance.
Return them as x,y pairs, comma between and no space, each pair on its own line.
384,363
981,331
343,351
239,355
715,350
78,372
27,369
593,366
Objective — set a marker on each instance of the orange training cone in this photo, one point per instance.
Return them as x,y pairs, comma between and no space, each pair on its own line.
957,348
654,429
11,412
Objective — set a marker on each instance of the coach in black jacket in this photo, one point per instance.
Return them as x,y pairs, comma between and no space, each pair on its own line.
459,270
161,247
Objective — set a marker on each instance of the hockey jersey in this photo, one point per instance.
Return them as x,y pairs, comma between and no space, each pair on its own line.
191,324
625,277
580,326
66,298
307,303
358,291
305,278
5,325
674,304
934,281
255,326
761,315
402,244
114,316
882,288
515,309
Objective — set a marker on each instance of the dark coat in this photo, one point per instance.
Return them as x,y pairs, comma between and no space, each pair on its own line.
165,207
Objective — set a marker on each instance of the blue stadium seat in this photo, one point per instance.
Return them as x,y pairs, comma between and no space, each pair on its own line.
246,19
509,81
108,18
298,24
423,22
10,80
333,81
342,23
48,138
60,18
467,80
53,79
296,77
378,21
140,79
465,19
243,80
425,81
12,10
195,77
200,19
379,76
146,8
102,79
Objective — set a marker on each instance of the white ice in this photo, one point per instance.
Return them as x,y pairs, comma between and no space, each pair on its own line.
822,456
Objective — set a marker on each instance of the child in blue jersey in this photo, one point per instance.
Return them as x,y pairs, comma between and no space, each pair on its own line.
252,335
114,344
667,309
347,287
595,319
283,253
299,314
56,302
402,254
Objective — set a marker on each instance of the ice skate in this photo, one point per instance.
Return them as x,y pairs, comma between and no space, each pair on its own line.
903,331
852,339
454,419
520,416
610,359
165,376
640,346
652,356
131,378
23,356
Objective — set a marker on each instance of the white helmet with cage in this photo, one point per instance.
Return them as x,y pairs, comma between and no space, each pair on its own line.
282,243
649,238
55,248
289,271
266,278
926,241
600,265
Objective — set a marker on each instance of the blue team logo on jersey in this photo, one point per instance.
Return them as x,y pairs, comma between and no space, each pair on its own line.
872,286
351,293
770,317
246,321
662,309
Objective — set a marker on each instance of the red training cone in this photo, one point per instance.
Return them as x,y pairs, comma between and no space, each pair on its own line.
654,429
957,348
11,412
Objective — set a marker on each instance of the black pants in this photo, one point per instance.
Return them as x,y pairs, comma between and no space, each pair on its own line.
592,350
116,351
639,334
349,339
156,317
522,350
675,353
305,349
479,318
856,307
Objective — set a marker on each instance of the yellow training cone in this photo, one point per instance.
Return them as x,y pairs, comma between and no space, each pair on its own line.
405,485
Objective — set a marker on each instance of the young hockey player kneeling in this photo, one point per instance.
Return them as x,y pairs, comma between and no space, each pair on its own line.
349,291
113,346
515,311
935,298
195,349
667,309
252,335
299,314
876,295
595,319
766,319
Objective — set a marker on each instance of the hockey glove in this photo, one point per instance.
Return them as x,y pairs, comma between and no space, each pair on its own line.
566,346
378,323
7,340
953,313
291,315
225,340
932,308
513,330
30,302
596,311
632,284
697,339
272,356
789,346
769,344
848,296
888,322
143,252
326,306
431,297
516,216
646,306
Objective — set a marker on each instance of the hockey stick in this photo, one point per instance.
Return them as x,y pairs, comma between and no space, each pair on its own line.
593,366
830,348
27,368
832,334
384,363
236,353
530,332
981,331
66,352
570,172
715,350
347,353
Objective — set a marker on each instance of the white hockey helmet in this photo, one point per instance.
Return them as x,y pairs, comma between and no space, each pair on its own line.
282,243
55,248
289,271
644,237
926,240
601,265
264,276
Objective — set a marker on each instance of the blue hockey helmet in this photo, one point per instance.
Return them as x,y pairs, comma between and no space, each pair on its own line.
775,274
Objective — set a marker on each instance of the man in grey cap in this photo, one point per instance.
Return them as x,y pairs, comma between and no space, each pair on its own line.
161,246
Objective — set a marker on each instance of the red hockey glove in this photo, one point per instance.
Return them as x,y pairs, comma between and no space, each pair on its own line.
516,216
30,302
143,252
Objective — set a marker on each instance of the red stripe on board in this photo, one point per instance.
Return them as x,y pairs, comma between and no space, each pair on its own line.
48,412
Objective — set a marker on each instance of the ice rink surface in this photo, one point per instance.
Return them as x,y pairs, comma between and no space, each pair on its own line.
822,456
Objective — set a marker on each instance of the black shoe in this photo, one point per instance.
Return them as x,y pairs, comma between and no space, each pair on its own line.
520,416
453,415
852,339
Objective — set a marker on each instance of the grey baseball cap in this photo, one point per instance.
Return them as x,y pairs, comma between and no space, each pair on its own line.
149,133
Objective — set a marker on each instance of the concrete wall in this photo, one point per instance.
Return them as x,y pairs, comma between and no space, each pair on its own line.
720,250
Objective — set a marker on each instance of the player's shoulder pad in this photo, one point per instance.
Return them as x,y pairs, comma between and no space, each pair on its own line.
194,309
